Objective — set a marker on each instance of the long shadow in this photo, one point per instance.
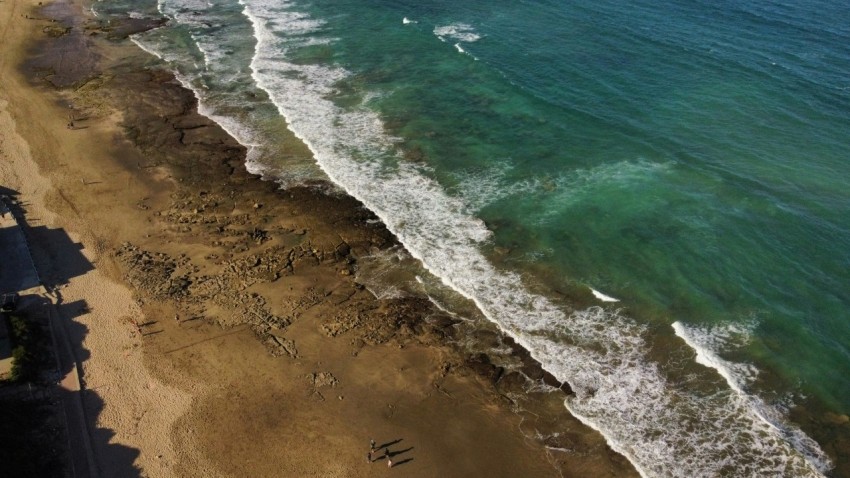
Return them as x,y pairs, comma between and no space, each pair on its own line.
390,443
16,271
109,459
67,311
56,256
4,191
58,259
117,459
16,267
395,453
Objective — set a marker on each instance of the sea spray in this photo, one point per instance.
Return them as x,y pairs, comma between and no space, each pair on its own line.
662,430
204,48
709,342
662,427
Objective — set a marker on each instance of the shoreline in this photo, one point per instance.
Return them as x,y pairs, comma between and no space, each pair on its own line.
206,228
340,175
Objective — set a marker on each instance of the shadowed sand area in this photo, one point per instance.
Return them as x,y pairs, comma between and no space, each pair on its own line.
224,333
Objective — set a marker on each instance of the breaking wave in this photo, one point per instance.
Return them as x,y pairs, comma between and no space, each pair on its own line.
662,429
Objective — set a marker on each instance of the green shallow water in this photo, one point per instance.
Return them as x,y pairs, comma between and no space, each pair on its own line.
688,158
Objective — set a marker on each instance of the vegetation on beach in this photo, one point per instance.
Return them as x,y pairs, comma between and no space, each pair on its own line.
29,353
31,434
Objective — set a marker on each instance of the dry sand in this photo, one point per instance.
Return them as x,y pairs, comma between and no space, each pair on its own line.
219,326
122,391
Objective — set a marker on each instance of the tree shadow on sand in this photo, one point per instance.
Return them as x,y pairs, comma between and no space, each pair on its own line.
58,259
57,397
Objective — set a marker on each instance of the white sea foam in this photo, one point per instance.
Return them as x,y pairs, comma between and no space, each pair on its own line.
222,81
663,430
461,50
237,130
709,342
482,188
603,297
147,49
460,32
212,53
185,12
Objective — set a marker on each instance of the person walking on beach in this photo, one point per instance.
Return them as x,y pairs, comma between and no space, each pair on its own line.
389,462
369,456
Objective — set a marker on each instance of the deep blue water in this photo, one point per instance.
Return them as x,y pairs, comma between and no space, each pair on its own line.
687,158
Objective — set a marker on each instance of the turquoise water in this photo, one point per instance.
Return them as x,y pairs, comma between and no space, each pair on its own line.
689,159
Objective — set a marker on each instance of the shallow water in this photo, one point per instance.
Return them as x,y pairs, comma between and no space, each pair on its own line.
686,159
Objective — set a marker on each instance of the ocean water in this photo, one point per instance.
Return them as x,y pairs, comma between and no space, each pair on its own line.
650,196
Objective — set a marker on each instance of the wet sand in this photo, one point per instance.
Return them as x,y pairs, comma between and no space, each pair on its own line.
221,329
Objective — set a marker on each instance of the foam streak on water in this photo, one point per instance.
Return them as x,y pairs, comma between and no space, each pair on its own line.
209,54
210,47
709,342
603,297
665,430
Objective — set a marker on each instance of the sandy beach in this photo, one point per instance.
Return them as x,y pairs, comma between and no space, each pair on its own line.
216,317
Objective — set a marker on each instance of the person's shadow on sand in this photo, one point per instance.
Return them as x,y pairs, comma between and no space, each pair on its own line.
392,454
390,443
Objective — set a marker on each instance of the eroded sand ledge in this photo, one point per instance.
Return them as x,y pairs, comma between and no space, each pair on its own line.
224,334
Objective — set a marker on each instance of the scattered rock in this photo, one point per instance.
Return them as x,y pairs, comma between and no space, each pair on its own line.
322,379
480,364
533,370
279,346
512,383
